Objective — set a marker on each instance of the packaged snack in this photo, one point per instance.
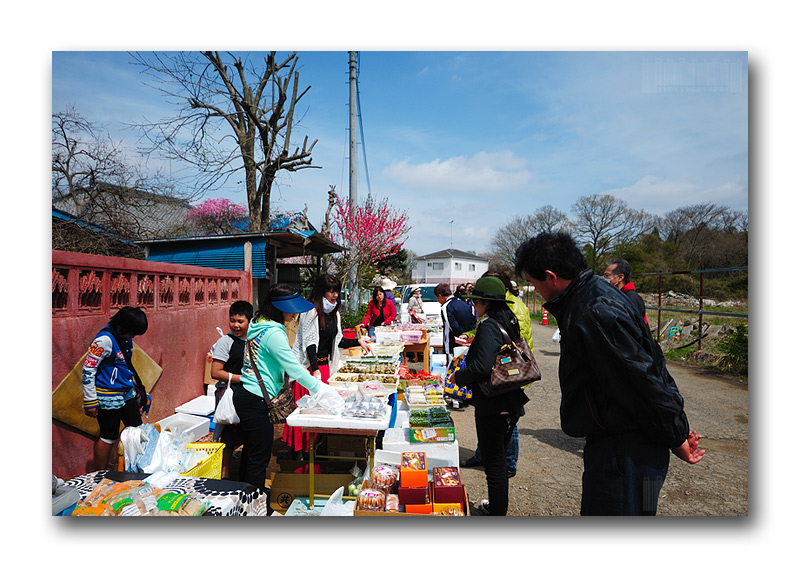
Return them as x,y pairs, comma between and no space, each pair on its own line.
383,477
172,504
371,499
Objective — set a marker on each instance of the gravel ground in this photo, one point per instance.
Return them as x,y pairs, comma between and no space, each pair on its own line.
548,480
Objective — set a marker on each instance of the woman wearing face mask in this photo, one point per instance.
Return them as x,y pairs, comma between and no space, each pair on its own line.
317,344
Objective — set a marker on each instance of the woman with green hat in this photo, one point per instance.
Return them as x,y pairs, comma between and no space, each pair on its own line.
495,417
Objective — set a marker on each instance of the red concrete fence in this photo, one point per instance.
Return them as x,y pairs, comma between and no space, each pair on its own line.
184,306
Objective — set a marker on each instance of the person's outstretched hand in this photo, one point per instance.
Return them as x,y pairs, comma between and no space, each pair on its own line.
689,451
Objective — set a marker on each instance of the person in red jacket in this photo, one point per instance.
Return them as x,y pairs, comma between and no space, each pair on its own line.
618,273
380,311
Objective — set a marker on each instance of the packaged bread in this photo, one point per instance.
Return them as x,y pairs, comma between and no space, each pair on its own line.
371,499
383,477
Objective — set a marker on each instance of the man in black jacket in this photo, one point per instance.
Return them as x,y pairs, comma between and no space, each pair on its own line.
615,388
457,317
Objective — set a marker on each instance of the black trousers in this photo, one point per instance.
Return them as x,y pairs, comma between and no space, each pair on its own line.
257,432
494,433
623,475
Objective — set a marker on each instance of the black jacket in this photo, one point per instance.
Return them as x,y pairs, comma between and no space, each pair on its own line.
480,358
613,375
459,320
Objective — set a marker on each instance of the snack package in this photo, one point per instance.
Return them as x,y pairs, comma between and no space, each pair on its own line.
172,504
383,477
371,499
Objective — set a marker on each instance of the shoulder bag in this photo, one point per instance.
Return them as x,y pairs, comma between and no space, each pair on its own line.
513,368
281,405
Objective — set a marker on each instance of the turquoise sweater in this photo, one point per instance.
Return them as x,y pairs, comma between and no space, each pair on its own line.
274,357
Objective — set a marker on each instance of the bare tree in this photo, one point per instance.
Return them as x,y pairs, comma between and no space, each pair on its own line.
602,222
698,231
83,156
506,240
218,97
94,179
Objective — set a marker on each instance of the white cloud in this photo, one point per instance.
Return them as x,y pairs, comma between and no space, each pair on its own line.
659,196
485,172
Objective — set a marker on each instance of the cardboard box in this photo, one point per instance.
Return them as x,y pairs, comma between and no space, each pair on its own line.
432,434
464,507
447,486
413,469
346,445
285,487
413,495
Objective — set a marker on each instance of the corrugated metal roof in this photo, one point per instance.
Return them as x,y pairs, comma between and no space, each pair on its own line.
225,255
226,251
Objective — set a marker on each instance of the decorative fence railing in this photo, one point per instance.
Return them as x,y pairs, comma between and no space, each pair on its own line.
88,285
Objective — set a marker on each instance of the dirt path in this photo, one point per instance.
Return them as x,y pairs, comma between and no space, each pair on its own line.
548,480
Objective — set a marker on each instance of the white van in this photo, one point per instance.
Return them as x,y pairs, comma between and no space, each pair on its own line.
433,310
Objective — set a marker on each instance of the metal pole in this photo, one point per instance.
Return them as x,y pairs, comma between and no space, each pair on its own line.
700,322
351,280
353,130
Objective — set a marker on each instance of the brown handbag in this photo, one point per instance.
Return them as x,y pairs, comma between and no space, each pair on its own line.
281,405
513,368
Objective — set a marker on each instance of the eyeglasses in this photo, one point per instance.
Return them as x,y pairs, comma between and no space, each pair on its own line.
610,276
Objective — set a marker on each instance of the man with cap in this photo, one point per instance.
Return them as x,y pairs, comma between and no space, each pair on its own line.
416,308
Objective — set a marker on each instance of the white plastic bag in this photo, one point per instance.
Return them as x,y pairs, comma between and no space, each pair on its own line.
327,399
335,506
226,411
557,336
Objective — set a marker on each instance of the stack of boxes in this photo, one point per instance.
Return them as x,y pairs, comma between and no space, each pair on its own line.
419,496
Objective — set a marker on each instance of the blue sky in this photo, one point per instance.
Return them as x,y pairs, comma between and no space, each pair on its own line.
478,137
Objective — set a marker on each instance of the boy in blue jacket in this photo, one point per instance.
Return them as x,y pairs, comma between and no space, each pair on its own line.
109,392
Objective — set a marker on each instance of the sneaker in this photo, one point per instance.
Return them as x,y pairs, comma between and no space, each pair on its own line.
483,508
511,474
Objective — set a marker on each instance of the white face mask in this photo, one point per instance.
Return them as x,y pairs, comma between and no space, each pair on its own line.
327,306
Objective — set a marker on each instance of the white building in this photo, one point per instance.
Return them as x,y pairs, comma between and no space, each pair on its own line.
450,266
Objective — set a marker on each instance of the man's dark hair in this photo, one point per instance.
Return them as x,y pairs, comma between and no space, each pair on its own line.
442,290
129,321
241,307
500,275
556,252
623,267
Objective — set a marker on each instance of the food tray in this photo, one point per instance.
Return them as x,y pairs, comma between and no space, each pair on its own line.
351,381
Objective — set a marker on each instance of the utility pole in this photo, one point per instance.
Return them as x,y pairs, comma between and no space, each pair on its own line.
451,234
352,284
353,130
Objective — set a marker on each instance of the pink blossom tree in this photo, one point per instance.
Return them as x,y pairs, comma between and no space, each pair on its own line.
218,216
369,232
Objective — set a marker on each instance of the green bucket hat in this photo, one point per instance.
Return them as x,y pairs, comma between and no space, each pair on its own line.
488,289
